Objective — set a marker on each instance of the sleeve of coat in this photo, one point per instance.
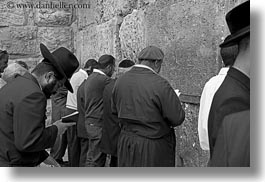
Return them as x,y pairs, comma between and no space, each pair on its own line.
113,102
30,134
171,107
219,158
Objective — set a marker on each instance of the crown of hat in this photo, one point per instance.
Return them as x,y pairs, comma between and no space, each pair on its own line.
239,18
66,60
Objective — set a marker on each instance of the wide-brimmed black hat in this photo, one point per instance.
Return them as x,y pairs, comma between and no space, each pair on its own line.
63,60
238,21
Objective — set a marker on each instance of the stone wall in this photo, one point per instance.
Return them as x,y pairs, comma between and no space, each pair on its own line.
23,29
188,31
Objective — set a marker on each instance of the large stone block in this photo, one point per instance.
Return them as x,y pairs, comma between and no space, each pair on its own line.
188,147
100,39
186,32
10,15
19,41
89,41
55,37
108,37
132,34
91,15
112,8
51,17
54,13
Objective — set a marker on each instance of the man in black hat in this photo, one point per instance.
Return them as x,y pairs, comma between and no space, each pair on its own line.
93,101
23,135
148,109
111,128
234,94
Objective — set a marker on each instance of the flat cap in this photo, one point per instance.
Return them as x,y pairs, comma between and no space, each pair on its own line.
151,53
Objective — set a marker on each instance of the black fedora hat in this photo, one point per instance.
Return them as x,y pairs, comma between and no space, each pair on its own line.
238,21
63,60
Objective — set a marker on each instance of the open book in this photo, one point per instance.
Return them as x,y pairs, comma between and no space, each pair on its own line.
71,118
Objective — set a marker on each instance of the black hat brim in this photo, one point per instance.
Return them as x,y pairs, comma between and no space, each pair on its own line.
234,38
53,60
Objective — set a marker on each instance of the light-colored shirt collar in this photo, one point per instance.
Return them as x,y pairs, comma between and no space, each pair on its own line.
99,71
144,66
83,71
223,71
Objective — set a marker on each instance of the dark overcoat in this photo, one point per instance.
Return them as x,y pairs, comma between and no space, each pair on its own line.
148,109
23,136
110,129
232,147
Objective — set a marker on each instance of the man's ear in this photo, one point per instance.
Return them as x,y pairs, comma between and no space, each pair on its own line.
49,76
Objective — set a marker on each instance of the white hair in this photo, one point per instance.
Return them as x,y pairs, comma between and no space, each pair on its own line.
13,70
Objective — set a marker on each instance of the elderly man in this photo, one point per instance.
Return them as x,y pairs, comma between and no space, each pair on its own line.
12,71
234,94
148,109
3,65
23,135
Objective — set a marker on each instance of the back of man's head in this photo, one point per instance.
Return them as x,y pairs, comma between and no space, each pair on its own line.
105,61
23,64
12,71
126,63
229,55
91,63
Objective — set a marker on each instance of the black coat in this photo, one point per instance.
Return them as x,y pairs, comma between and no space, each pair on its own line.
148,109
111,129
232,146
23,136
231,97
80,125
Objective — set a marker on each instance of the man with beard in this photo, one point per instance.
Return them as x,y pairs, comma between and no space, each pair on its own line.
23,135
3,65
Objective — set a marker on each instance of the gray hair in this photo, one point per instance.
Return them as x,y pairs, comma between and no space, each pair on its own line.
12,70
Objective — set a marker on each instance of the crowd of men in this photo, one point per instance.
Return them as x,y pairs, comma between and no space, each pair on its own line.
125,117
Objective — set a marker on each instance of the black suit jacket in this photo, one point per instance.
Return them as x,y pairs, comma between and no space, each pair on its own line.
111,129
232,148
80,125
231,97
148,103
23,136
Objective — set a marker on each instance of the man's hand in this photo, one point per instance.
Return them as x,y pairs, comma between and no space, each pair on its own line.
62,127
